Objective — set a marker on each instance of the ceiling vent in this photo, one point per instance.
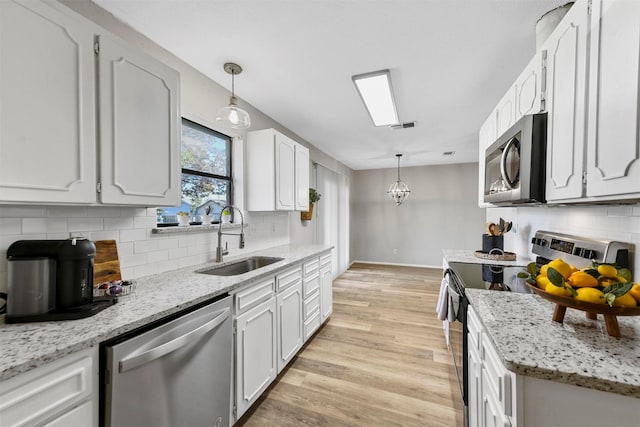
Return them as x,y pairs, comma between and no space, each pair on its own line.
448,153
405,125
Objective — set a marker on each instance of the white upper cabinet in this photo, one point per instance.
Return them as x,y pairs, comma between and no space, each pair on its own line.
529,88
613,156
506,111
277,172
139,127
486,136
566,50
302,178
47,118
51,148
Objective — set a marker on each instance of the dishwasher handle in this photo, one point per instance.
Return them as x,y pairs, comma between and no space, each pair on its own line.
132,362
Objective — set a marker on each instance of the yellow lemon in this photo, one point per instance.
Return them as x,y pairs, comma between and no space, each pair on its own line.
606,281
635,292
590,295
621,279
542,281
626,300
607,270
557,290
562,267
580,279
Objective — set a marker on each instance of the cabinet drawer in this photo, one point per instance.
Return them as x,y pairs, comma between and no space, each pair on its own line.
311,267
311,305
325,260
288,278
257,293
311,325
310,285
473,329
48,391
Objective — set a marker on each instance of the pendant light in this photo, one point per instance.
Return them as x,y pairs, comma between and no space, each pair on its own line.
398,191
232,115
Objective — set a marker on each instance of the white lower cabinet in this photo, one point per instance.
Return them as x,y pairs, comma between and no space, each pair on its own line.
289,325
326,287
256,360
499,397
273,319
60,393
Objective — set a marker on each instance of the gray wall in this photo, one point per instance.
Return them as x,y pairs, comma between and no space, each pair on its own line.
441,212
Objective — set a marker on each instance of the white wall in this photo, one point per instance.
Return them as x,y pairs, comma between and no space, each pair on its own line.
607,222
141,252
441,212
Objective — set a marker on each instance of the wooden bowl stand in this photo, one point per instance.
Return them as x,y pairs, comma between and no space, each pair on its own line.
610,320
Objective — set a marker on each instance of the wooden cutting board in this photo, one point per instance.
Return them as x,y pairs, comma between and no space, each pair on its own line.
106,266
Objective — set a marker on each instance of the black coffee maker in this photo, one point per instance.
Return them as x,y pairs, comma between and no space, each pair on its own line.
51,280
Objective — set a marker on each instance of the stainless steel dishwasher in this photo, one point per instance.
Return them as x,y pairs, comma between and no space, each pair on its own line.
175,374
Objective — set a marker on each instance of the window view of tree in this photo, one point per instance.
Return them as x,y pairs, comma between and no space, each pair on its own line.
206,174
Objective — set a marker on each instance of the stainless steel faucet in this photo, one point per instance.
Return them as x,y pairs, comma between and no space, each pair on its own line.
219,251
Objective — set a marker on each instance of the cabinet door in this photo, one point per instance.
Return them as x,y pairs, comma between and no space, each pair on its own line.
529,88
47,120
285,173
506,112
139,127
613,157
256,360
326,292
474,379
491,415
289,324
486,136
302,177
566,50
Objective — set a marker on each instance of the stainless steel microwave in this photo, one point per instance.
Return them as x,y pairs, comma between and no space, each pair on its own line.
515,164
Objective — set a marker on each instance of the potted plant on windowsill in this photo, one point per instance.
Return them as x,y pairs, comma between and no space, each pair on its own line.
183,219
314,197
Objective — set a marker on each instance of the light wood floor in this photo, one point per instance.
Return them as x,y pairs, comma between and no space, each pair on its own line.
381,359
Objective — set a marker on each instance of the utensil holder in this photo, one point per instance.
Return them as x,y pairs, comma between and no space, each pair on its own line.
492,242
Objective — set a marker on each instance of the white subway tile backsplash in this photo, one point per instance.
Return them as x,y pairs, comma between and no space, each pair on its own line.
23,211
44,225
133,260
105,235
119,223
85,224
103,211
133,235
158,256
140,252
10,226
622,210
67,211
145,246
177,253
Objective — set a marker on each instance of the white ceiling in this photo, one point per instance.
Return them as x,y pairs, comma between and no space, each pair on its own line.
450,62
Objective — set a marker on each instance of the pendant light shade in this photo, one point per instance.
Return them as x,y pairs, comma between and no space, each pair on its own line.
398,191
232,115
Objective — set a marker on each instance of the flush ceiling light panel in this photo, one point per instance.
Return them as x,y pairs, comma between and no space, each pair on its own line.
376,93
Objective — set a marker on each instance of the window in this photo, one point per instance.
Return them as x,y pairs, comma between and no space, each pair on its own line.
206,173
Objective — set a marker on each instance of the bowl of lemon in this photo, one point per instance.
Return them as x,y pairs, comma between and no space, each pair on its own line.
601,288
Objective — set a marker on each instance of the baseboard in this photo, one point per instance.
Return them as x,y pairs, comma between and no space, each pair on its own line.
396,264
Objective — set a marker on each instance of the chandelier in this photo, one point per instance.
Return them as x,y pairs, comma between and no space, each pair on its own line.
398,191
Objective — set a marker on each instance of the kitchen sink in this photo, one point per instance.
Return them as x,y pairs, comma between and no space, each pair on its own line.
243,266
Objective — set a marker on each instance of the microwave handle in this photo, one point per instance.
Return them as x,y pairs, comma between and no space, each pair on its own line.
503,163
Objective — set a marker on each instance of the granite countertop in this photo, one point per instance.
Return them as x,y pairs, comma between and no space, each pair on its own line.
578,351
28,345
467,257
